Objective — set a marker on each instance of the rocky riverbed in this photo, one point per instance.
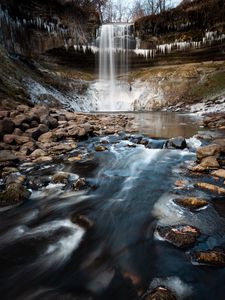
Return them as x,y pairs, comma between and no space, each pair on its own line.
115,200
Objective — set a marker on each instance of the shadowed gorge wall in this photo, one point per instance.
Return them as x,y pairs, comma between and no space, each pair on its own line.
33,27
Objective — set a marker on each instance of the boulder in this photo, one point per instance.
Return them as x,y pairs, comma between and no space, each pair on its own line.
8,170
215,257
14,194
176,143
210,187
36,132
197,169
7,126
61,177
191,203
62,148
51,122
9,139
23,108
20,140
220,143
24,126
22,118
211,150
219,173
209,162
15,191
7,155
46,137
80,184
37,153
34,124
100,148
181,236
159,293
17,131
43,159
82,221
28,148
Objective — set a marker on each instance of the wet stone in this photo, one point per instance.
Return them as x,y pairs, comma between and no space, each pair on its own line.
100,148
159,293
191,203
7,155
83,221
176,143
15,193
210,187
181,236
7,126
211,150
61,177
219,173
215,257
80,184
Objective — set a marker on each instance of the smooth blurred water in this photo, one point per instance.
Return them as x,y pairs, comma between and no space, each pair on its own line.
43,255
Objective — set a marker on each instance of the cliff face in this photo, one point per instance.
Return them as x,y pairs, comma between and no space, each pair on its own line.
188,21
32,27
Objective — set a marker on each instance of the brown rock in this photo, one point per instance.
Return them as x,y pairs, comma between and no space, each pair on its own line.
210,187
215,257
28,148
14,194
37,153
35,133
46,137
21,118
17,131
211,150
191,202
79,184
9,139
62,148
99,148
51,122
20,140
23,108
198,168
8,170
75,158
219,173
181,236
43,159
61,177
70,116
220,143
209,162
7,155
4,114
82,220
159,293
7,126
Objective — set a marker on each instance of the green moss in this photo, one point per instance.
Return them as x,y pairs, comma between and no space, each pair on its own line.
213,85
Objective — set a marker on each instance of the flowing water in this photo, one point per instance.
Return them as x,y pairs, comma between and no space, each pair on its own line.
44,255
114,42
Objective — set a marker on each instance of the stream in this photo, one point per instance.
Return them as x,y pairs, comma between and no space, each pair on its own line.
44,255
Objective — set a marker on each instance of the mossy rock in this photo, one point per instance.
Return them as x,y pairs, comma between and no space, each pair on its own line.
14,194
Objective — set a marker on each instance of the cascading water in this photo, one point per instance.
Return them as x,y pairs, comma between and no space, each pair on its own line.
112,91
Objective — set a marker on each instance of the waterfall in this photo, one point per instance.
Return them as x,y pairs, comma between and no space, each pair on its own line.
114,42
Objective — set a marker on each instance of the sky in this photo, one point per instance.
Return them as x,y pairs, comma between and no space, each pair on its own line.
174,2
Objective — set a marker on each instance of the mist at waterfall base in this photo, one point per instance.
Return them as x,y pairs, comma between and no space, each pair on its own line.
113,92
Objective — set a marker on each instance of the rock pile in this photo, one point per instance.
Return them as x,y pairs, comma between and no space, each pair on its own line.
40,133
